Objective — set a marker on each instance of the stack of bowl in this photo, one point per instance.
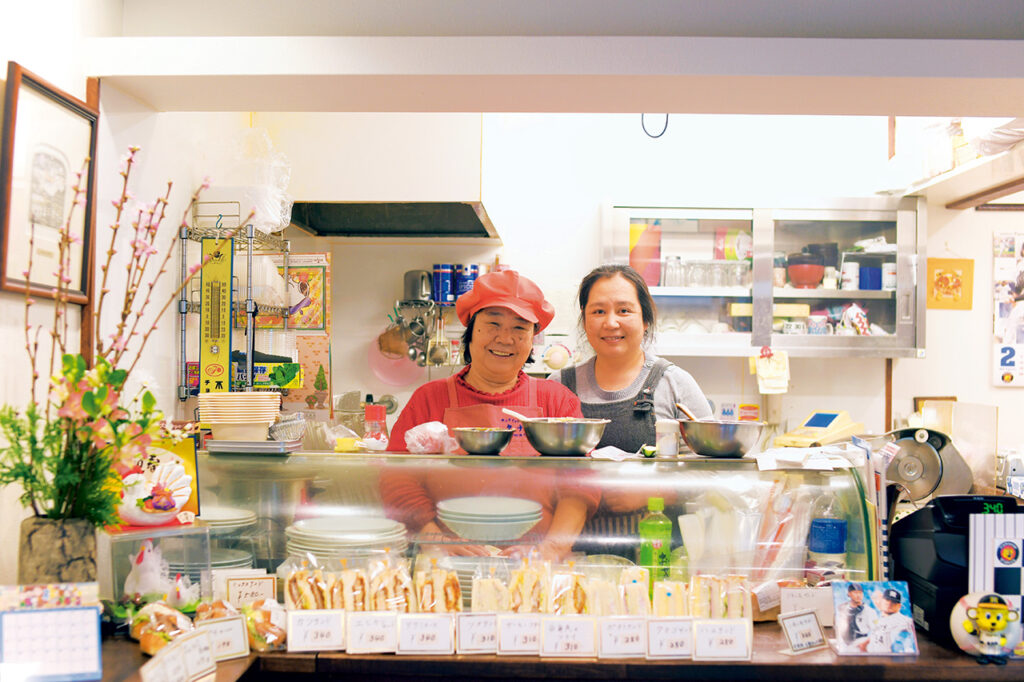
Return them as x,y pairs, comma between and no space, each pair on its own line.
239,416
332,536
489,519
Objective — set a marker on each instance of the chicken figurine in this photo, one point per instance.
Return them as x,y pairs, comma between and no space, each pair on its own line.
149,573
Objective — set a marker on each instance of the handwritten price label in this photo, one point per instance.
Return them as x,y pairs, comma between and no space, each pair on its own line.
722,639
228,637
803,631
518,635
426,633
568,636
372,632
803,598
247,590
622,637
477,633
669,638
316,630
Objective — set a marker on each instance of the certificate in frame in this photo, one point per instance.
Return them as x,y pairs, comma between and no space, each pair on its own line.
48,136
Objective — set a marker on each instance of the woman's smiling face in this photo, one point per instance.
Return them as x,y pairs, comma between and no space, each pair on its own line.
613,319
501,343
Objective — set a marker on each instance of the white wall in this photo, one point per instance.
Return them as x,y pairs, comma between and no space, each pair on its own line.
53,59
959,342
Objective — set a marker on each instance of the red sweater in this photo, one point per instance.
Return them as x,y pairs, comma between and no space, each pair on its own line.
409,489
429,401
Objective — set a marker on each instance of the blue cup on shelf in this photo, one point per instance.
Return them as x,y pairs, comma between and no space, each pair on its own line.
870,277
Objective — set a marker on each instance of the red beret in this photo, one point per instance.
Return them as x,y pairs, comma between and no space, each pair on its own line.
506,289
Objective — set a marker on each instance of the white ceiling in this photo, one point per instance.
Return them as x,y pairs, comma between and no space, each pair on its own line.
936,19
858,57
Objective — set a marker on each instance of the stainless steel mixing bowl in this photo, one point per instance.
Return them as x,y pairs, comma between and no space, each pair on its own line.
482,440
566,437
720,438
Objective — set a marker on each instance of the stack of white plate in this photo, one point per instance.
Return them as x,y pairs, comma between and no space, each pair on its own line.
226,520
489,519
240,415
331,536
219,558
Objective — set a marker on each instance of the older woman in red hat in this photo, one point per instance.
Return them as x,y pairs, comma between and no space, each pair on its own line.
502,313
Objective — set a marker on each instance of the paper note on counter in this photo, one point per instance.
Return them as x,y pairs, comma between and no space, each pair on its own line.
822,458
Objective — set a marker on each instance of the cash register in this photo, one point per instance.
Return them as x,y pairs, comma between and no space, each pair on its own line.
929,549
821,428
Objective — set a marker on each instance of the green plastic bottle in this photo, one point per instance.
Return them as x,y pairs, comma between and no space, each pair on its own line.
655,541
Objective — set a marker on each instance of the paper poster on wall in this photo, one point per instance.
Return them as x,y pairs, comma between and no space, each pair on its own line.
950,283
1008,309
308,294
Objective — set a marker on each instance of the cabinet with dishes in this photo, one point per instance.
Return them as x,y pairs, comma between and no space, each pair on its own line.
827,278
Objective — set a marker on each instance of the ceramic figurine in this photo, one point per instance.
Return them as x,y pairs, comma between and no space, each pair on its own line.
984,625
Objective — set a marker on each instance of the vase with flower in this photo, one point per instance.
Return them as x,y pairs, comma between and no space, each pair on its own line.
74,451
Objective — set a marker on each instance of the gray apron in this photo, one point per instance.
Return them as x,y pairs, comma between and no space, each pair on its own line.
632,425
632,419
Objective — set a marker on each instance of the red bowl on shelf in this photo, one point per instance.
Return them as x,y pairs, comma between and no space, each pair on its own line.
805,275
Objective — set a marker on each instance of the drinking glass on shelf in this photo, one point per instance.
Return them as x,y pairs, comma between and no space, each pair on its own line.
696,274
738,273
673,274
717,276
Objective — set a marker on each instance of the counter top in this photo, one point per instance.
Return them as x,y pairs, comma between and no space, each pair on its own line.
122,658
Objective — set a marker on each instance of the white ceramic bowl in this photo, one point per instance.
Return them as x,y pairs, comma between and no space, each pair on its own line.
248,431
490,531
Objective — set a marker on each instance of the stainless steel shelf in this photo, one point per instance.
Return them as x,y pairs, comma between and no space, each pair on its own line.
841,294
261,240
701,292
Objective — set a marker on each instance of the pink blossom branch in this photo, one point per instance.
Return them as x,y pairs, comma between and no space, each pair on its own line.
129,159
31,346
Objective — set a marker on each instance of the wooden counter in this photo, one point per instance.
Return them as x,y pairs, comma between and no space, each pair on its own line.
122,659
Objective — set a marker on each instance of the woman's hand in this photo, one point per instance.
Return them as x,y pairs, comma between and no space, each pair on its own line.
449,546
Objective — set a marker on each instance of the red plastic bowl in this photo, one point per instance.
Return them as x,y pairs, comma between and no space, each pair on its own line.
806,276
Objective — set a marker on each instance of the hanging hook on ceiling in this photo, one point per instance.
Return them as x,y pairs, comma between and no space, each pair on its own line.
643,125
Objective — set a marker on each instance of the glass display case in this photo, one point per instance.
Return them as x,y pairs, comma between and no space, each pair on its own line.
836,278
724,516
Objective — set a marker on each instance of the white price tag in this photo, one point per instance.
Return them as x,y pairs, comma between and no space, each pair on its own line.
722,639
803,631
173,665
572,636
476,633
372,632
518,634
228,637
197,652
219,578
621,637
153,670
803,598
426,633
316,630
669,638
243,591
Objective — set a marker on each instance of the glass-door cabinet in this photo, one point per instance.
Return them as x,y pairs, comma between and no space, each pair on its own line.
833,278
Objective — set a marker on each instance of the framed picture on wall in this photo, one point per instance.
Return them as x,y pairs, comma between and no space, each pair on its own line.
48,137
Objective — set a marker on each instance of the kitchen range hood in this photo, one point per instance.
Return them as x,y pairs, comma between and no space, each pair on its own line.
429,220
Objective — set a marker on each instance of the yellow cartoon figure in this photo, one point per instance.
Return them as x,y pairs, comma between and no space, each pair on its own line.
989,621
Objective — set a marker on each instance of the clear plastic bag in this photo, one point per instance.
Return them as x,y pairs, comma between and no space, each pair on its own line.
430,438
265,621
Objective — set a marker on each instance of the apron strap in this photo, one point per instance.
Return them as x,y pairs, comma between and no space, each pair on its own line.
453,400
568,378
644,401
532,390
